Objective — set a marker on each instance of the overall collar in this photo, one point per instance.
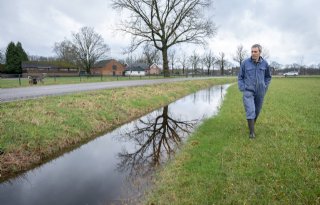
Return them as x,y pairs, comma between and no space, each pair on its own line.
259,60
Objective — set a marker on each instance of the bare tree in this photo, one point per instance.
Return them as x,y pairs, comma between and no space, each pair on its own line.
130,59
295,66
66,51
241,55
172,59
274,66
209,60
42,58
183,60
202,64
265,54
166,23
221,62
151,54
90,47
141,59
194,61
302,67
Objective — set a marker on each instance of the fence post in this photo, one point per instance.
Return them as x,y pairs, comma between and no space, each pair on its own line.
19,79
101,76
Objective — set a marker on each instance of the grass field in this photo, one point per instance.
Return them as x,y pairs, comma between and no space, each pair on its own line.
33,131
220,165
14,82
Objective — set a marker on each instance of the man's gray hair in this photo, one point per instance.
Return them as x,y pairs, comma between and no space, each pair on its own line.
257,46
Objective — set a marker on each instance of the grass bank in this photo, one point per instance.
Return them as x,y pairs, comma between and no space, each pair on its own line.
33,131
220,165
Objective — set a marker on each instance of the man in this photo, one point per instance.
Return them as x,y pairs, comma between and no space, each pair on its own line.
253,80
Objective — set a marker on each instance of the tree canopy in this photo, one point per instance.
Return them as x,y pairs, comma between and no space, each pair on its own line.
84,50
165,23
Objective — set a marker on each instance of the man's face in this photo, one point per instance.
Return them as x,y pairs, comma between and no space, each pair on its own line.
255,54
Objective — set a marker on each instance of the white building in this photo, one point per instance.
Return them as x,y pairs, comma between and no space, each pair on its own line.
138,69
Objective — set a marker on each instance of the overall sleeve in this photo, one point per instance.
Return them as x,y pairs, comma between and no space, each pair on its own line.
241,77
267,76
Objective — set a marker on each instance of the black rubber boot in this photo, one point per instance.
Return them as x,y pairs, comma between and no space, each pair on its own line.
251,128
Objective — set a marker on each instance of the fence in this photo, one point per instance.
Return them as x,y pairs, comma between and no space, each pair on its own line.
16,80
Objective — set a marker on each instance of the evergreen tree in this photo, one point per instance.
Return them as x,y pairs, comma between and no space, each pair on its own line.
22,53
14,57
22,56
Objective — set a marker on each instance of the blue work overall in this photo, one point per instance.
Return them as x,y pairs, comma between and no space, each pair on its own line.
253,80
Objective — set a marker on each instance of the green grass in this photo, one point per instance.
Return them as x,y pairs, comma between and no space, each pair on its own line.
32,131
220,165
14,82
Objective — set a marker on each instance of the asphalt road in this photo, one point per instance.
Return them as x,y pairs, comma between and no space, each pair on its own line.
13,94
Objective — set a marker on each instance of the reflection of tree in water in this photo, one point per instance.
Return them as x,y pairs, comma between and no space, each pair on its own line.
156,137
207,96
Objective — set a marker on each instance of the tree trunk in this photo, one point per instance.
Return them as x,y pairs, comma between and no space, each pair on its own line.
222,69
165,64
172,69
88,69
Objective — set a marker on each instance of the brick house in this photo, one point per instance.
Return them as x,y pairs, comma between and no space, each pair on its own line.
108,67
154,69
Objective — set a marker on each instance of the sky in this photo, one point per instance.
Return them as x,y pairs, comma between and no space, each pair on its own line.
288,29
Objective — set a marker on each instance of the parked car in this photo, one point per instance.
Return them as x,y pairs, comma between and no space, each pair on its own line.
291,73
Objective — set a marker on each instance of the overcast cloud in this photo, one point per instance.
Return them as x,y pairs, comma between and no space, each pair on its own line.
289,29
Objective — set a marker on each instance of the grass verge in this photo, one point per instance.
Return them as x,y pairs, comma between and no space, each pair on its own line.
33,131
281,166
24,82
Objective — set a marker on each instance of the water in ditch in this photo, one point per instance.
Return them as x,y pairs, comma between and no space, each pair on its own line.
117,167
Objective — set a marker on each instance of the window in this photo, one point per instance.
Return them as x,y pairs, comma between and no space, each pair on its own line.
114,67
